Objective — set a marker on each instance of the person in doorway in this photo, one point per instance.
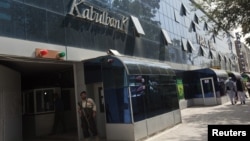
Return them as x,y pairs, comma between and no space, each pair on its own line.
240,91
87,111
59,114
231,89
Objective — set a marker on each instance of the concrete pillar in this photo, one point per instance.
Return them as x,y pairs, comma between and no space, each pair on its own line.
79,86
10,105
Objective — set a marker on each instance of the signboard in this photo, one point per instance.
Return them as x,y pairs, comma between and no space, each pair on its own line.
180,89
85,11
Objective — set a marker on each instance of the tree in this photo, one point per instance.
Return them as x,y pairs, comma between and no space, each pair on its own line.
228,14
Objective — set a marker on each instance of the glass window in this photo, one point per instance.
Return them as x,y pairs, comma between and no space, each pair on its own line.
196,19
184,44
19,0
166,36
205,28
56,31
171,13
117,105
163,8
171,27
18,21
190,46
113,75
157,18
168,9
184,10
145,69
152,95
137,25
75,31
138,90
219,56
38,101
44,100
133,68
28,102
12,19
66,5
5,18
39,3
162,22
212,54
202,51
187,22
196,26
177,16
55,5
36,24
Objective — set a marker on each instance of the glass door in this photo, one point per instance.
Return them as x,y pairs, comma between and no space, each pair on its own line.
208,91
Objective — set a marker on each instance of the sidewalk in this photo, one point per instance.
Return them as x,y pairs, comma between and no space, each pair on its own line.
195,121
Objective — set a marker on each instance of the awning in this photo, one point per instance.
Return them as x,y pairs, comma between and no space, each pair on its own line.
220,73
235,75
246,74
144,66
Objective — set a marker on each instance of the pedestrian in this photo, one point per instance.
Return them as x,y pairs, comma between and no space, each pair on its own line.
231,89
240,91
59,114
87,111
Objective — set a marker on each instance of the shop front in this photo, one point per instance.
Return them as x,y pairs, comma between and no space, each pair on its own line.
138,97
205,86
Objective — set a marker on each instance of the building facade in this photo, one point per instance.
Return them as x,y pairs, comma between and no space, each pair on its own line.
243,54
138,59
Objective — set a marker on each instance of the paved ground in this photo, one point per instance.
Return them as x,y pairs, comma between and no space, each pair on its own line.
194,123
196,119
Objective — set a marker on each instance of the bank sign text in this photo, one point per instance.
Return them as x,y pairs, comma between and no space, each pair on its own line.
84,11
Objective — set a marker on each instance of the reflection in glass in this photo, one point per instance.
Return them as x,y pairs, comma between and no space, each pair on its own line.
28,103
36,24
117,105
44,100
152,95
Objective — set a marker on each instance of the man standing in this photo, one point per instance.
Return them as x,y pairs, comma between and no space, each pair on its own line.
231,89
241,91
87,111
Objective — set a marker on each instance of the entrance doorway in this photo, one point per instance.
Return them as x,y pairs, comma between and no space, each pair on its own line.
97,93
36,77
208,91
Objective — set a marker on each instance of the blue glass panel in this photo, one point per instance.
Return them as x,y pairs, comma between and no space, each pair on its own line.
56,30
54,5
39,3
138,91
152,95
12,20
36,24
117,105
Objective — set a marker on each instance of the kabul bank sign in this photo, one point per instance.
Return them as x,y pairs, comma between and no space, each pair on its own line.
82,10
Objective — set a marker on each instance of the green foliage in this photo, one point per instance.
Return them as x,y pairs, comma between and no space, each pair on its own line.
228,14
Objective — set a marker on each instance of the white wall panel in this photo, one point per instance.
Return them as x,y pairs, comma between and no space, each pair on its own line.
11,107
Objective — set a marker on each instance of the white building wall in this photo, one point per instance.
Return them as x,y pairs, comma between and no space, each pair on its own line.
24,48
10,101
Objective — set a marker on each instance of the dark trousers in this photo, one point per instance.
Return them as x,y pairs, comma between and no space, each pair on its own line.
88,126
